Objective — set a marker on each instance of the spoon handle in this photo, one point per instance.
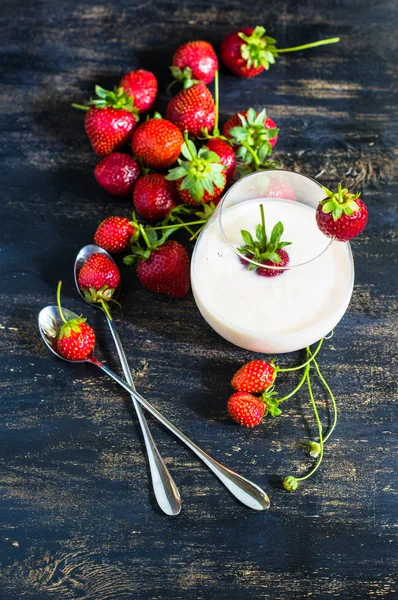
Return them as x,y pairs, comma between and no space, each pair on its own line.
166,491
244,490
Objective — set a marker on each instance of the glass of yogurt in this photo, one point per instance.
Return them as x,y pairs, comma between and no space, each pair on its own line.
278,314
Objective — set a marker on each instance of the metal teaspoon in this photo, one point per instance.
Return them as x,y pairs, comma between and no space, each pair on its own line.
166,491
247,492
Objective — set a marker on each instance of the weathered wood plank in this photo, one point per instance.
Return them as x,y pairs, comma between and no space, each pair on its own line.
77,517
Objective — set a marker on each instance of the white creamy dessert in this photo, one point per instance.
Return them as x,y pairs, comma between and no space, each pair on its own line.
271,314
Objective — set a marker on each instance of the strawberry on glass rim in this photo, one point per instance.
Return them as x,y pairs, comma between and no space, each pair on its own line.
200,177
110,119
248,51
341,215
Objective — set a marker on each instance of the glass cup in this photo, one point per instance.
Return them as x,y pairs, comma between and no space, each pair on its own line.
302,301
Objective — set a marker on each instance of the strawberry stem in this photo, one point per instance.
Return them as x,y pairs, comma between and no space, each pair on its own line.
325,383
144,235
216,131
181,225
297,388
307,362
61,314
310,45
184,225
81,106
263,223
319,424
105,308
195,235
254,155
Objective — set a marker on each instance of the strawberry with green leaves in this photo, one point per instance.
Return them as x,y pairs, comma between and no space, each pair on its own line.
254,134
192,110
110,119
162,265
200,177
341,215
264,250
75,338
99,279
248,51
194,62
226,154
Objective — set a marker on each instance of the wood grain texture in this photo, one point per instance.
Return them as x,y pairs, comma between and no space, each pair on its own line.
77,516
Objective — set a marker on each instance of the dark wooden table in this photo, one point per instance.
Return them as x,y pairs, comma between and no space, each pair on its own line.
77,515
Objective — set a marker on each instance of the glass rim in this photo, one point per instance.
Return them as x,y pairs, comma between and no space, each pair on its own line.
243,256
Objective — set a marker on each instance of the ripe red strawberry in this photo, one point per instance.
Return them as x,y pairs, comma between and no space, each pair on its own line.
194,62
254,377
142,87
75,339
226,154
158,143
248,52
235,121
110,121
266,251
155,197
114,234
166,270
280,189
246,409
192,110
201,177
98,279
283,262
341,215
117,173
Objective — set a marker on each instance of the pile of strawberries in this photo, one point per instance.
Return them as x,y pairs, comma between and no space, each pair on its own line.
170,166
175,170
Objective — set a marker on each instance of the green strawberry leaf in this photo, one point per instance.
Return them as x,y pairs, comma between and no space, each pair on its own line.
247,238
152,236
176,173
262,249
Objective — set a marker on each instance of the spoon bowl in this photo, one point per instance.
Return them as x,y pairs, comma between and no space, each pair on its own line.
50,323
84,254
